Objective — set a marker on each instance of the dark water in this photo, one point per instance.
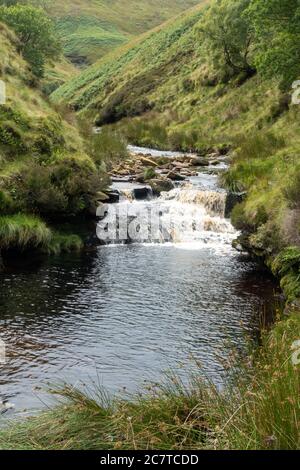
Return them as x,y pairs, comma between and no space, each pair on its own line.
123,315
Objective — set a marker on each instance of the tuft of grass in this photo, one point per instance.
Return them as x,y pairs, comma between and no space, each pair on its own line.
259,410
62,243
23,231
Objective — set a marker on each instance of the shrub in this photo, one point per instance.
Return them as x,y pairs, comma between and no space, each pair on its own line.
6,202
292,190
107,147
287,266
66,187
49,136
149,174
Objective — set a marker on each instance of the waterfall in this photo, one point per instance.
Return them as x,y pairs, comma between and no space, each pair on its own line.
186,215
213,201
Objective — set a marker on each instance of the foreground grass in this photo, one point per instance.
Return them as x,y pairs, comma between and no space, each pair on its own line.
23,231
261,411
27,232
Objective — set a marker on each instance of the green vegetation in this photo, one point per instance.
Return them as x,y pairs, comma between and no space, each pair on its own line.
259,411
63,243
277,29
217,77
47,171
228,37
89,29
202,83
35,31
287,266
20,231
107,147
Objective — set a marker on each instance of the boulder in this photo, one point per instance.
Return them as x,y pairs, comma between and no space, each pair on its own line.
113,196
232,200
143,193
140,178
199,161
148,162
160,185
174,176
102,197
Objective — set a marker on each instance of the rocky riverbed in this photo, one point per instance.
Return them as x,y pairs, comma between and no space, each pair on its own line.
163,171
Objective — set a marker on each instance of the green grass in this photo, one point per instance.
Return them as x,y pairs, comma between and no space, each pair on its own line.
260,410
23,231
90,29
26,232
64,243
45,165
141,66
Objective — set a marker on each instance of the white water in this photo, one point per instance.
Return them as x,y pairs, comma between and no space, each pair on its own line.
187,217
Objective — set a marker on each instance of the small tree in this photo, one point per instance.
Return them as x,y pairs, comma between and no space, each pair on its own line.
36,33
277,29
228,36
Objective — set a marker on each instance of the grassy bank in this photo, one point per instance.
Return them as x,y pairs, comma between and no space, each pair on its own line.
261,410
22,232
49,168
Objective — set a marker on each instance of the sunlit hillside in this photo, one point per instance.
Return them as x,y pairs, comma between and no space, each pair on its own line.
90,28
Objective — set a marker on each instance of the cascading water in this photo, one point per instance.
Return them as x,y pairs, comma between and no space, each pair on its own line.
188,216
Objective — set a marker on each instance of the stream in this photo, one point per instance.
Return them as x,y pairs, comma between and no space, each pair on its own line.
124,313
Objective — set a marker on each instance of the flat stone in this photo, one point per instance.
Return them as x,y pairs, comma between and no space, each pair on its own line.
172,175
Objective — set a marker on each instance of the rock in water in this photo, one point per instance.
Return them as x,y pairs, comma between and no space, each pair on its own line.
143,193
5,405
161,185
232,200
172,175
113,196
199,161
